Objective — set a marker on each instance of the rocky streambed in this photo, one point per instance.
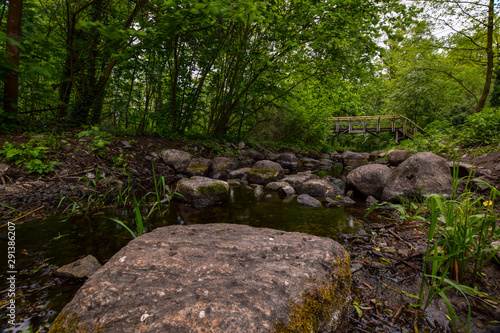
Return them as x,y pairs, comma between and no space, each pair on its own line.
386,257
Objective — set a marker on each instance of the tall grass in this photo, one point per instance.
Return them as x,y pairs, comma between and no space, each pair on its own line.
139,223
162,195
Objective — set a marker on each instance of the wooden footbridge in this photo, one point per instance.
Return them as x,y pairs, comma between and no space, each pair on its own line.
401,126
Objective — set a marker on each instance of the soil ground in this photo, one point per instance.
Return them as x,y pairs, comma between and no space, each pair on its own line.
387,263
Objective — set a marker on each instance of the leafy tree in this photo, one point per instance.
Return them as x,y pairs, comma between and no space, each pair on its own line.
466,18
428,79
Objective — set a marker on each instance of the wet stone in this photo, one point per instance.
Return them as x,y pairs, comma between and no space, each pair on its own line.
307,201
258,191
286,191
371,200
276,186
331,203
80,269
347,200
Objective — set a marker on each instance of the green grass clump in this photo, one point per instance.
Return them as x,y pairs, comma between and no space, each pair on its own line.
458,242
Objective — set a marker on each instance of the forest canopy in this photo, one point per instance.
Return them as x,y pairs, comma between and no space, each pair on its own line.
274,70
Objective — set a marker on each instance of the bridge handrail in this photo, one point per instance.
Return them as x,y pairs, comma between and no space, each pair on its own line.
363,117
420,128
393,117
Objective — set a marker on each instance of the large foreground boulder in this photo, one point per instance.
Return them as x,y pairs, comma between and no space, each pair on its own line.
420,175
202,191
214,278
369,179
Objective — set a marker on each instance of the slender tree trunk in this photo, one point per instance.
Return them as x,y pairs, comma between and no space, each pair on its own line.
65,88
132,81
495,94
3,12
489,53
11,89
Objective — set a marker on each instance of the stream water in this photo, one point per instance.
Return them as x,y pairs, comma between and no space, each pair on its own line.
43,245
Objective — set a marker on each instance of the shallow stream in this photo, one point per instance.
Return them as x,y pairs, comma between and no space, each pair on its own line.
43,245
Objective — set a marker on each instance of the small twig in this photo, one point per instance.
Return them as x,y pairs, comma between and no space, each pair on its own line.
407,264
59,177
383,226
398,314
366,284
20,217
105,167
73,174
401,239
360,323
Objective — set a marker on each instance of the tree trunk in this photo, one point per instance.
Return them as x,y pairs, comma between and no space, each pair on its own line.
489,53
495,94
11,89
65,88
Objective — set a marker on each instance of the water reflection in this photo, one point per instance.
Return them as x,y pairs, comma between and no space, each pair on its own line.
46,244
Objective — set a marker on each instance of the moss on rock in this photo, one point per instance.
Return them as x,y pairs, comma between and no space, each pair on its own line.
213,188
265,172
66,322
325,308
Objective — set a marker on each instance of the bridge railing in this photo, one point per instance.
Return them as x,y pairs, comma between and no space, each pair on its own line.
375,124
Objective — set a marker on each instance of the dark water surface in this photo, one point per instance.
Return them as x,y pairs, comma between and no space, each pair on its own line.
43,245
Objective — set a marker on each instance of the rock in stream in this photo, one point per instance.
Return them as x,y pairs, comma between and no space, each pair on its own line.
210,278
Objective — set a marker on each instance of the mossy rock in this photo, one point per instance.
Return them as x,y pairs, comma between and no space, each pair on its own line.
202,191
264,172
197,170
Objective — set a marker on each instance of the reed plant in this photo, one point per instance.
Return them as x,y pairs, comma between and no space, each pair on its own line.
162,195
123,194
139,223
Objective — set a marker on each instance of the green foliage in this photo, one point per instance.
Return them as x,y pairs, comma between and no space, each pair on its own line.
481,128
120,162
31,155
99,140
480,134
